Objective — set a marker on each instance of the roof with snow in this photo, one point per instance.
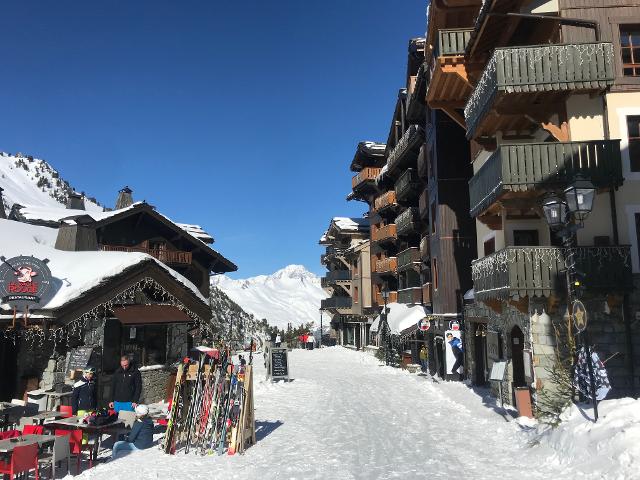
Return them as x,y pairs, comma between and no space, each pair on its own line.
402,318
368,154
344,226
196,231
78,274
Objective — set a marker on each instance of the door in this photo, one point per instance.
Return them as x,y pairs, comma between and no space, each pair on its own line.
439,351
480,347
9,370
517,359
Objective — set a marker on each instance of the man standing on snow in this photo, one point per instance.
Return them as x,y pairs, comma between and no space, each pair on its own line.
458,352
126,386
278,340
424,358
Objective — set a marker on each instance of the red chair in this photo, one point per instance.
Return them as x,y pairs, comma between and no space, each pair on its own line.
66,409
10,434
33,430
23,460
75,442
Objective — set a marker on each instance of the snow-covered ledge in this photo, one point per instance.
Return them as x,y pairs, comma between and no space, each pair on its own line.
151,367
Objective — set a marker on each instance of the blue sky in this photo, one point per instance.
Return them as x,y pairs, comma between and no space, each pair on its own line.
239,116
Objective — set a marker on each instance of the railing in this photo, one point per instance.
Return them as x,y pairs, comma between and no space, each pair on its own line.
407,184
585,66
423,205
423,163
387,265
532,166
538,271
367,174
424,247
407,221
335,276
387,232
385,200
426,293
165,256
410,295
410,141
336,303
393,298
453,42
408,257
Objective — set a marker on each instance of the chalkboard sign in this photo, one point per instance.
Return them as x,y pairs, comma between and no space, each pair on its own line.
79,358
279,363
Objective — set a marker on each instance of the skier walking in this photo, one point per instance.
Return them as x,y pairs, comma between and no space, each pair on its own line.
126,386
424,358
458,352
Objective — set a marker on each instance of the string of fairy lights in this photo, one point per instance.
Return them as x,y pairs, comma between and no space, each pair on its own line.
38,335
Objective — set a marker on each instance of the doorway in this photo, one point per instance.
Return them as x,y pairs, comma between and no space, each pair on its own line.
9,371
480,354
517,359
439,351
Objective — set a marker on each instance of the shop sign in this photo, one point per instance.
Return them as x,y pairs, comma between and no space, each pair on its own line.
424,325
454,325
579,316
24,281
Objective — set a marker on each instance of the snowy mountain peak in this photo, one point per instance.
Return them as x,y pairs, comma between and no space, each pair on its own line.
294,271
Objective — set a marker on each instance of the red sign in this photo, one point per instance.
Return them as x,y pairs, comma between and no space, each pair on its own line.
24,281
424,325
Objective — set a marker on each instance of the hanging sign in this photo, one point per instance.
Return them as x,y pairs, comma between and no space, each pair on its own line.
579,316
424,325
24,282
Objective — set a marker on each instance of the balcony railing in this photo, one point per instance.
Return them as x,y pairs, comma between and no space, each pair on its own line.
165,256
407,221
544,166
335,276
407,185
334,303
387,265
554,68
408,258
423,163
393,298
539,271
453,42
423,205
386,233
366,175
424,248
384,201
407,148
426,293
410,295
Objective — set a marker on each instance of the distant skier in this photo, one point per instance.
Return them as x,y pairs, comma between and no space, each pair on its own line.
458,352
310,342
278,340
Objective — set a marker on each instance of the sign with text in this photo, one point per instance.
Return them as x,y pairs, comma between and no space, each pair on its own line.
579,316
24,282
279,363
498,372
79,358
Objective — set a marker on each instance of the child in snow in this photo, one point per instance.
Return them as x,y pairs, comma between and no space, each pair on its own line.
141,435
458,352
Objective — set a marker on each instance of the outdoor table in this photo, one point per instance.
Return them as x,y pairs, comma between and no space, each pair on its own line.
56,398
40,418
8,409
7,446
75,423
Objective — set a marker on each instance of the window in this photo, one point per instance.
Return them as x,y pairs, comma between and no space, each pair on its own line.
490,246
525,238
433,218
633,132
630,50
435,274
355,294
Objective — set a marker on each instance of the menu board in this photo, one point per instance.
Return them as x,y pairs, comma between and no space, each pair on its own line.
279,363
79,358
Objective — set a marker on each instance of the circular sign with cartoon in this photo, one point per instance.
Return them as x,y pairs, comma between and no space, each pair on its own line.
24,282
424,325
579,316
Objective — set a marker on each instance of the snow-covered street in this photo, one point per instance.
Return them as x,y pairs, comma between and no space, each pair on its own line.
347,417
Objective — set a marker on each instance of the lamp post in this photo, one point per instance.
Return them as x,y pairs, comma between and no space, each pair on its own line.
386,331
567,217
321,331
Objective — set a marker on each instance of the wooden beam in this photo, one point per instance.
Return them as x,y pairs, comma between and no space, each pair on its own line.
455,116
559,132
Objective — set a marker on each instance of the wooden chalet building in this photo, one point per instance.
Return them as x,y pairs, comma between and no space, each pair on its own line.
348,280
128,281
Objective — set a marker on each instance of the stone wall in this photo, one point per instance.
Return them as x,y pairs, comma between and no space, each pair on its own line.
155,381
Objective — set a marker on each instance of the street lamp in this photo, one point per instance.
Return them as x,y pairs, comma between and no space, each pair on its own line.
567,217
386,331
321,310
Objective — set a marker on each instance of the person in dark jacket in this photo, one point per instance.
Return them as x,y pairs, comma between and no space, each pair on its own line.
126,386
83,398
458,352
141,435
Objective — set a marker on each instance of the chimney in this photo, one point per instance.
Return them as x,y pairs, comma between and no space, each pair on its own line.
125,199
75,201
3,214
76,234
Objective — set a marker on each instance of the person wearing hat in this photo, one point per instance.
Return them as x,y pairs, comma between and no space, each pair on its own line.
141,435
83,398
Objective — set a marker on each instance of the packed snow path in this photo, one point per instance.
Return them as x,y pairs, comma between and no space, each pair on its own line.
347,417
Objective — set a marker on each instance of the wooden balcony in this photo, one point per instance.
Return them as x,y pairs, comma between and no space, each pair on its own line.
523,86
405,153
416,104
449,84
426,294
526,171
336,303
424,248
408,222
407,186
423,206
387,266
169,257
386,201
384,234
335,277
423,163
409,258
393,298
411,295
539,271
365,179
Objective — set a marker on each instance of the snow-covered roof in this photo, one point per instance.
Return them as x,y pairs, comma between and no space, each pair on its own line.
351,224
77,272
196,231
401,316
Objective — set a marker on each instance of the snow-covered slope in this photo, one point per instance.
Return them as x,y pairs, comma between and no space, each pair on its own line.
290,295
30,181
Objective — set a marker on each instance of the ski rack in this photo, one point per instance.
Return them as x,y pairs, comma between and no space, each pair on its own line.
247,435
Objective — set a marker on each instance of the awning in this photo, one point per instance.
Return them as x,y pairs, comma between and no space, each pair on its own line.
402,318
150,315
